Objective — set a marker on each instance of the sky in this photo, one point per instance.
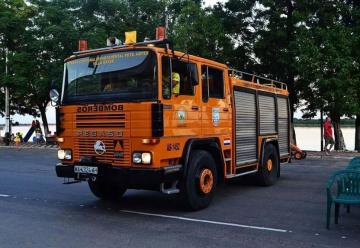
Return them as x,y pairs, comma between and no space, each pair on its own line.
212,2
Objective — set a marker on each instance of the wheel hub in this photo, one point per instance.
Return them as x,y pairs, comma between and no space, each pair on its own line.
206,181
269,165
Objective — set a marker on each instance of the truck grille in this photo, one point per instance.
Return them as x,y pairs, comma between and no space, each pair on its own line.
99,120
84,147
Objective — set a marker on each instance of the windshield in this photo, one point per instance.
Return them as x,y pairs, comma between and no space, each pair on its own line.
117,77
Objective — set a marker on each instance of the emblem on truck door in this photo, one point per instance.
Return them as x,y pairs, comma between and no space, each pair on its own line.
181,115
215,116
99,147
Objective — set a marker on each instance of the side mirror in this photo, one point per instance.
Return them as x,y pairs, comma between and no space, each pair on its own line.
54,97
191,68
194,80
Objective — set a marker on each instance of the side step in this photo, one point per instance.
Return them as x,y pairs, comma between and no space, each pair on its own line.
67,181
171,190
229,176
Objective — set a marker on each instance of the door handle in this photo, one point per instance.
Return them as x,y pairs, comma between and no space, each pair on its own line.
195,107
225,109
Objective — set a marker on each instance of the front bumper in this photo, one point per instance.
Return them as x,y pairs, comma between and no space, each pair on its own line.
131,177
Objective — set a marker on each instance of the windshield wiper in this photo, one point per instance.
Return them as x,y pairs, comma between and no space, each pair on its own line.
91,65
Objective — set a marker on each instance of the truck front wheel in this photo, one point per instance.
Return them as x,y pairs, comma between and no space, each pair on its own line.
106,190
199,184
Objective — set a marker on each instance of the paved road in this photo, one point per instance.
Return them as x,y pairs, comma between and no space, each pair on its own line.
37,210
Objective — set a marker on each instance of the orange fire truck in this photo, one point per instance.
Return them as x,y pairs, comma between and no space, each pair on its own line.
143,116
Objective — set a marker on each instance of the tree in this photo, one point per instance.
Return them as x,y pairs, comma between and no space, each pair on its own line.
325,63
96,20
48,40
51,35
351,14
198,32
236,18
275,25
14,19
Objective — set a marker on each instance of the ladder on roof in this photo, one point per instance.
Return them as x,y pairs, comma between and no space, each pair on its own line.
257,79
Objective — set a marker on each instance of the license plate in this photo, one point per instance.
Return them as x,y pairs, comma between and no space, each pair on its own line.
86,169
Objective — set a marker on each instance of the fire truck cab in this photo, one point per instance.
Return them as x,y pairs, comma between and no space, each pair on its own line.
144,116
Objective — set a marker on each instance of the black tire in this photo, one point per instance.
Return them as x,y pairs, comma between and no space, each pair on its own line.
303,155
105,190
199,184
267,174
298,156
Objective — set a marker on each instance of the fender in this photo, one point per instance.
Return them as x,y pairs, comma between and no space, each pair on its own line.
208,144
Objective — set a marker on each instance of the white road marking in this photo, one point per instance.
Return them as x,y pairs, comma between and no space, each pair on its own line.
195,220
206,221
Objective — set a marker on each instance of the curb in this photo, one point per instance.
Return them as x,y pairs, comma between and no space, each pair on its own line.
53,147
334,155
329,157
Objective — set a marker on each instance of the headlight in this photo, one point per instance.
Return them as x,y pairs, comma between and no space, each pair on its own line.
64,154
146,158
137,158
142,158
61,154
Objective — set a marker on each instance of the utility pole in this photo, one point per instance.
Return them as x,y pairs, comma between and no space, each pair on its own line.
166,17
7,104
321,130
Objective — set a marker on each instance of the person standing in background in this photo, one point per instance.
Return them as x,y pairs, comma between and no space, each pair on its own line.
38,135
17,139
328,135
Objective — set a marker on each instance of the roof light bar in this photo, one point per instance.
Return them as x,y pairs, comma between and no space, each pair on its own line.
113,41
83,45
160,33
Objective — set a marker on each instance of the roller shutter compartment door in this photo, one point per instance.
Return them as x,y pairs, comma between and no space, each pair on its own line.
283,124
245,131
267,115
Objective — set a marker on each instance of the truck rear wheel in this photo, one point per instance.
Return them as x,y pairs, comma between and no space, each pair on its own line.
268,171
106,190
199,184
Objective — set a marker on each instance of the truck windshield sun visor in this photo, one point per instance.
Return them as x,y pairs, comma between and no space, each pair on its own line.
117,76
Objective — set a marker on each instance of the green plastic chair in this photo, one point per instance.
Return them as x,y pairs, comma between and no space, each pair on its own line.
353,162
354,167
343,187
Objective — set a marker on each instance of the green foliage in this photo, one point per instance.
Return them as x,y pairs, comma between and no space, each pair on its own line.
326,62
14,19
191,32
276,24
236,18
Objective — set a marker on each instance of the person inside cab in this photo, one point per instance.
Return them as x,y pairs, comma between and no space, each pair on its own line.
175,83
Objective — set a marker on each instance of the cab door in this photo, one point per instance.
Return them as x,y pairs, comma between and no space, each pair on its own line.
182,113
216,108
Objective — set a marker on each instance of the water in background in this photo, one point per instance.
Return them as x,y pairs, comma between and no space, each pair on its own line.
308,138
25,128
